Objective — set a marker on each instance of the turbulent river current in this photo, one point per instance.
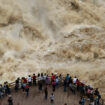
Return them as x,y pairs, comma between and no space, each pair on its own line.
63,36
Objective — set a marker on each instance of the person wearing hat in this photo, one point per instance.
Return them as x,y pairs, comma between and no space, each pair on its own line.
10,100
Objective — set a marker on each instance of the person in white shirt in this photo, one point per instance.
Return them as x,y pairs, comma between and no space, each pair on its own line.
57,82
44,78
52,98
29,80
74,80
40,79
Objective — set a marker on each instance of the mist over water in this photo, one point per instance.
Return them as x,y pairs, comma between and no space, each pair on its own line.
64,36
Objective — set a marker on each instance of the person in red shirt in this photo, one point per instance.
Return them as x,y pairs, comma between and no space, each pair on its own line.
27,89
25,80
77,83
34,79
52,77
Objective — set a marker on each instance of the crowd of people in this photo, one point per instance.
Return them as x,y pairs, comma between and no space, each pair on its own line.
44,80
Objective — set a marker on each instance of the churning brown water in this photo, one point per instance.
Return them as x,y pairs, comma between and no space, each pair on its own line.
64,36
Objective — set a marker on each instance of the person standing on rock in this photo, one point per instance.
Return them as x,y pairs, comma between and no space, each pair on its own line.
17,85
65,85
34,79
10,100
27,90
46,93
57,82
7,89
29,80
82,101
52,77
39,82
52,98
53,85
